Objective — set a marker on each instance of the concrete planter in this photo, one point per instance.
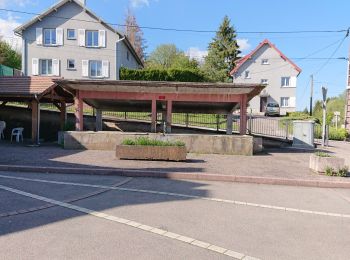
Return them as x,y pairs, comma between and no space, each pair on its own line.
144,152
319,164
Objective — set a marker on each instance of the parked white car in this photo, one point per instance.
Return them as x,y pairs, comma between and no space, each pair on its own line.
272,109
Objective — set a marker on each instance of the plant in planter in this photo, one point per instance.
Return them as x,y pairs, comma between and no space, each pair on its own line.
322,162
144,148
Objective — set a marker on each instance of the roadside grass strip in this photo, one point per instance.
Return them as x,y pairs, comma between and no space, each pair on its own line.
235,202
146,228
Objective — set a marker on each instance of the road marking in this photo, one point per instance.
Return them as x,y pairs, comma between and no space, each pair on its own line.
146,228
235,202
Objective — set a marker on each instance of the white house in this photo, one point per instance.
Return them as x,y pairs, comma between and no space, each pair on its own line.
268,65
70,41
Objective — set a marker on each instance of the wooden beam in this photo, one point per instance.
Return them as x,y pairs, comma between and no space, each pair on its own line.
169,113
63,115
243,115
78,104
35,121
154,116
189,97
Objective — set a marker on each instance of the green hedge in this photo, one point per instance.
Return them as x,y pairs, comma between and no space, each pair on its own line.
339,134
162,75
151,142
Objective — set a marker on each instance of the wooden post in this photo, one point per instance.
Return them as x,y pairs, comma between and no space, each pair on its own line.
63,115
154,116
99,123
35,121
243,115
78,104
169,111
229,123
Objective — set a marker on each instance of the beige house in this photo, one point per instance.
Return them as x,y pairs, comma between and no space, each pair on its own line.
268,65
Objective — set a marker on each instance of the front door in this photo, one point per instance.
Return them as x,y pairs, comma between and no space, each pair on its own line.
263,103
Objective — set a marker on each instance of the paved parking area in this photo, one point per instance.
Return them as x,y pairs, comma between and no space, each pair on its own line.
273,163
113,217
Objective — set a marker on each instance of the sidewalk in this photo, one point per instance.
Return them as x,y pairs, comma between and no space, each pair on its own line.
282,166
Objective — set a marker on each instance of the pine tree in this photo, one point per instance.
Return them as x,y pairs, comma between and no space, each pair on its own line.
223,52
135,34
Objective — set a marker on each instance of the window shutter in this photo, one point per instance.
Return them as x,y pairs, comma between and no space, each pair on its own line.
81,37
39,36
102,38
35,66
293,82
59,36
292,102
56,67
85,68
105,69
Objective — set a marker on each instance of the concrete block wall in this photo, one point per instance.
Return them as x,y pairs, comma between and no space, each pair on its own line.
195,143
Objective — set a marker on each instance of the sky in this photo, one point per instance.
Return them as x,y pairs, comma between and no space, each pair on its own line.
246,16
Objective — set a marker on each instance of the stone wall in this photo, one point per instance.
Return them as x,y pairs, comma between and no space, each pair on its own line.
195,143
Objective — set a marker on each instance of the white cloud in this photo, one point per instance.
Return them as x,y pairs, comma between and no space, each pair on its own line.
243,44
139,3
20,3
6,31
197,54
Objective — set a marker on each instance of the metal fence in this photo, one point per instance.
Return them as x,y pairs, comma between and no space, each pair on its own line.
257,125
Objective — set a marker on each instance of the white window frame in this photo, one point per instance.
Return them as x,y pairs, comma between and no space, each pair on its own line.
94,32
265,62
284,81
247,74
71,60
285,102
75,34
52,30
95,63
265,81
47,67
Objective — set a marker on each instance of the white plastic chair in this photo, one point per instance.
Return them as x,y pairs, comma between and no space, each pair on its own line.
18,133
2,128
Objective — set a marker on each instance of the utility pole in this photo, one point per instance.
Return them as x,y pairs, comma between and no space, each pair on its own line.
311,92
324,107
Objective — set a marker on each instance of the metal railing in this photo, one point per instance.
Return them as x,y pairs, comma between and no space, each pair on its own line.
256,125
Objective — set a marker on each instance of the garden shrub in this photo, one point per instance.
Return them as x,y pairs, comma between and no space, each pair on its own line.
151,142
180,75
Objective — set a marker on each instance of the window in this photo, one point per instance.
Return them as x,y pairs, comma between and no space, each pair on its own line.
71,34
265,62
71,64
95,68
45,67
247,74
265,81
50,37
285,81
91,38
284,101
127,55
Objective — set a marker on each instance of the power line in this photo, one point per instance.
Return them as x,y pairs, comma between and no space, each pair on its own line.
179,29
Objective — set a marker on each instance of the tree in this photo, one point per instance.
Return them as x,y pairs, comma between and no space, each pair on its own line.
135,34
8,56
168,56
333,104
223,52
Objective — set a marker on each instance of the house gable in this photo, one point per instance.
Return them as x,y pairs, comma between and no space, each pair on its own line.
244,62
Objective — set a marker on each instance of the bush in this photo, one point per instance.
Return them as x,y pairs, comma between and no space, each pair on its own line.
343,172
340,135
180,75
151,142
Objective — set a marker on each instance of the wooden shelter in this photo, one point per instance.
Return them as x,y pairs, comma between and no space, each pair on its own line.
35,91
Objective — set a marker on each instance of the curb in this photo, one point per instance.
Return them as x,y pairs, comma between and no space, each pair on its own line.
179,176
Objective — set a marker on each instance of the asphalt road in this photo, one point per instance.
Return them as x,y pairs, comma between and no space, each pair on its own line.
48,216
